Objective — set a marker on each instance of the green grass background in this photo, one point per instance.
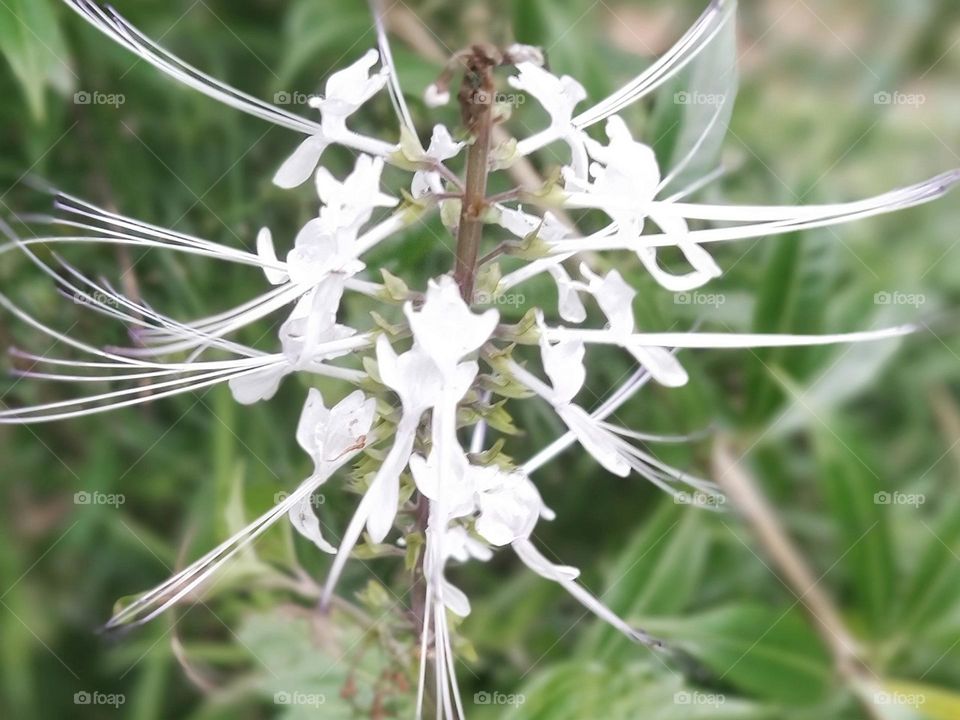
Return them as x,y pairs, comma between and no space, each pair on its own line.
822,431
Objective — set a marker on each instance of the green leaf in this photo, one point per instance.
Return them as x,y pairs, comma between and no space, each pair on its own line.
800,271
316,665
850,371
309,32
853,493
768,652
658,572
31,40
933,588
574,690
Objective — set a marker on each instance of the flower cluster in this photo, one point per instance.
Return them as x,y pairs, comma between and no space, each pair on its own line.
440,373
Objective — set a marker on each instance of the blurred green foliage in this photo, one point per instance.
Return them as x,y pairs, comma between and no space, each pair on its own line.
826,431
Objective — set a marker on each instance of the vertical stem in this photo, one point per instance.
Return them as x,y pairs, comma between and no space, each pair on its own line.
476,107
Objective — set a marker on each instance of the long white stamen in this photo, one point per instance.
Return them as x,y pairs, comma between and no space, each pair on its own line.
532,269
833,215
118,29
290,294
20,417
647,437
687,49
114,239
699,184
424,638
106,221
185,581
694,150
386,58
696,39
535,560
204,323
104,295
451,666
702,340
909,196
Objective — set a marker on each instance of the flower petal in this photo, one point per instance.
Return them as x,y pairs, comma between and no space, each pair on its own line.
304,519
298,168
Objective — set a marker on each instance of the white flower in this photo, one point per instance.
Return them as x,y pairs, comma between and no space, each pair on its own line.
442,147
348,422
328,436
267,253
550,230
446,328
304,519
615,298
566,577
453,598
411,375
463,547
569,305
309,337
346,91
563,363
626,181
350,204
298,168
434,97
625,169
312,326
558,96
414,377
454,484
509,505
320,251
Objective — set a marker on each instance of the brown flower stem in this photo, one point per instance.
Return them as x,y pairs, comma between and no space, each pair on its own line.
476,108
